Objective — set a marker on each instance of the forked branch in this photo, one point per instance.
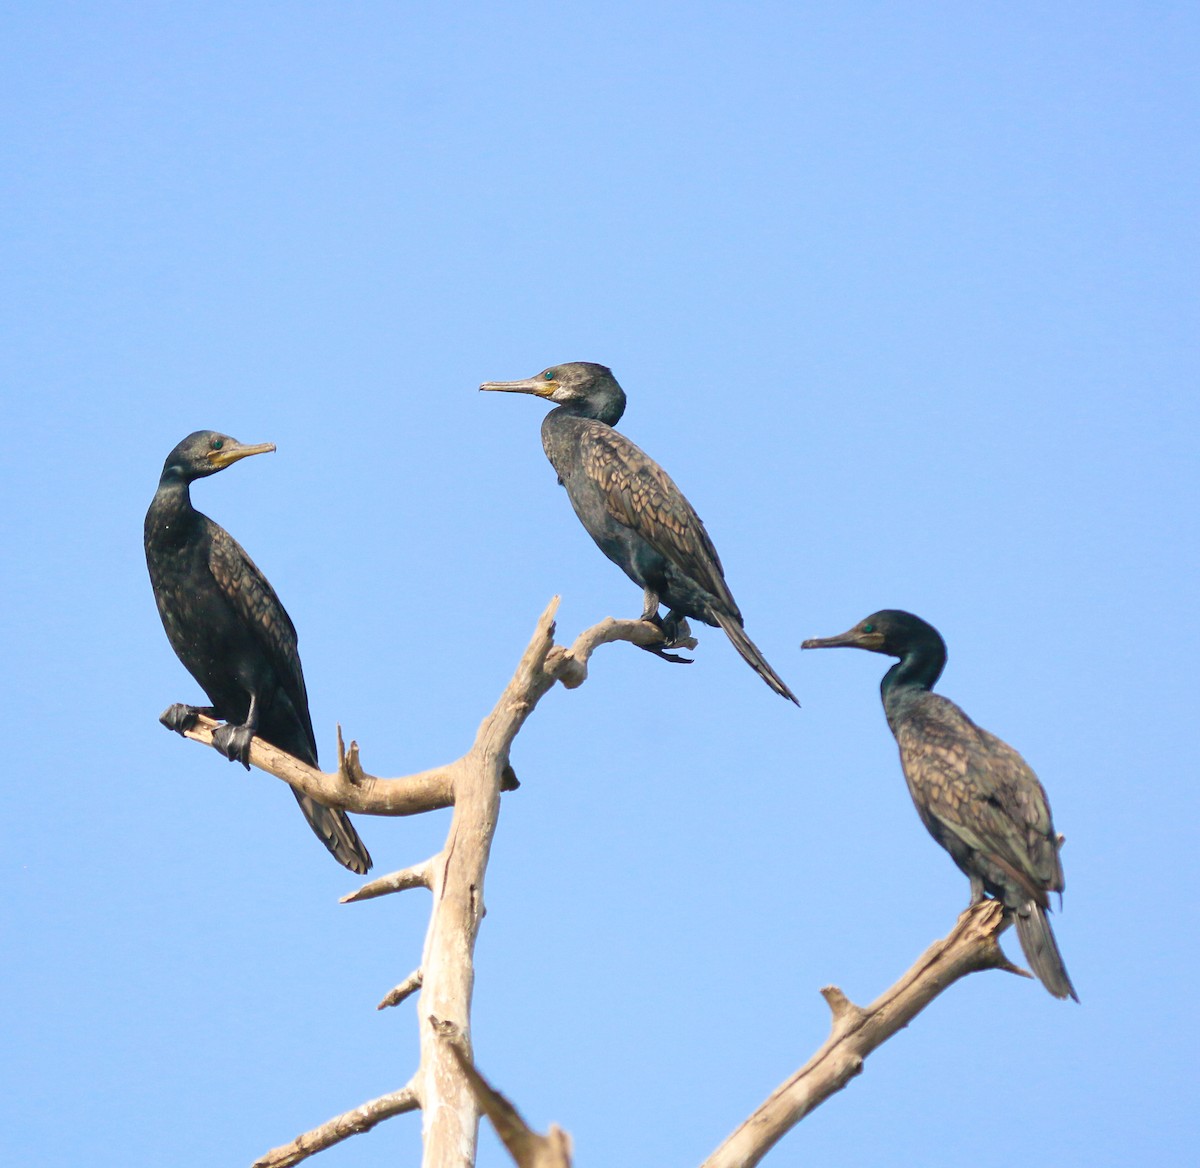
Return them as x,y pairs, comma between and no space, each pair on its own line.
446,1086
856,1031
442,1087
351,788
972,945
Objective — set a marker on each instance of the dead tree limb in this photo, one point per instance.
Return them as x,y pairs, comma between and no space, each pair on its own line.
455,877
450,1115
405,989
349,787
972,945
415,877
341,1127
446,1086
528,1148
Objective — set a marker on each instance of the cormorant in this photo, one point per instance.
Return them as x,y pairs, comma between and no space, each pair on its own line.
228,627
977,796
638,517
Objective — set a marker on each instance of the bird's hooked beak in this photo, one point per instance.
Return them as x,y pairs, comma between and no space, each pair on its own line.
855,638
233,451
538,386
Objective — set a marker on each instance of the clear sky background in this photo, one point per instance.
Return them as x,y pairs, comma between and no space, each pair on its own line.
903,296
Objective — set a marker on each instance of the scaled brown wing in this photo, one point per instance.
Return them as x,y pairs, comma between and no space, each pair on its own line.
254,600
641,495
1024,798
981,790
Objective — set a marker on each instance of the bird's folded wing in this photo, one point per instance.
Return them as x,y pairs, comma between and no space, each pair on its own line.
255,601
641,495
981,789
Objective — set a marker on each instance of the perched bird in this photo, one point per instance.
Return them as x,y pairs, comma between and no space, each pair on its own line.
228,627
638,517
977,796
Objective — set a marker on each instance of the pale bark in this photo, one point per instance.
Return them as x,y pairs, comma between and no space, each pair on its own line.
528,1148
415,877
971,946
404,990
455,877
350,787
341,1127
446,1087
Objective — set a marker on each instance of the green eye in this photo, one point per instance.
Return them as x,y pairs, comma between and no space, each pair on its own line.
217,443
549,375
868,628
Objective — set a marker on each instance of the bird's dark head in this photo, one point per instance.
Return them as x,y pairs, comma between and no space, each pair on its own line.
588,389
890,631
205,452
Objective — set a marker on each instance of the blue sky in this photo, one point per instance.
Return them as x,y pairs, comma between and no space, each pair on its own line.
904,297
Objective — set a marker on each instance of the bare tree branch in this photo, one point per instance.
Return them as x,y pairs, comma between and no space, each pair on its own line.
455,877
415,877
340,1127
570,666
451,1114
349,787
527,1147
405,989
445,1085
972,945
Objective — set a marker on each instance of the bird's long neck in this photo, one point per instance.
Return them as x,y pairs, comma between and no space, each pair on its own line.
917,671
171,516
607,410
561,437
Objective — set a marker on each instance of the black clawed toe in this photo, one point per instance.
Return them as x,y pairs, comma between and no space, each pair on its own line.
661,651
675,631
234,743
179,717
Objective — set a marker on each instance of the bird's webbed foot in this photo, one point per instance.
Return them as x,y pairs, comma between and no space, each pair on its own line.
181,718
234,742
675,631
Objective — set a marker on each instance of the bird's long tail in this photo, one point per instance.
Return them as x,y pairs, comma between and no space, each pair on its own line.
334,829
750,653
1041,950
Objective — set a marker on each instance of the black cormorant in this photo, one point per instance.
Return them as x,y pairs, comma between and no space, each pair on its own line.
228,627
631,508
977,796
